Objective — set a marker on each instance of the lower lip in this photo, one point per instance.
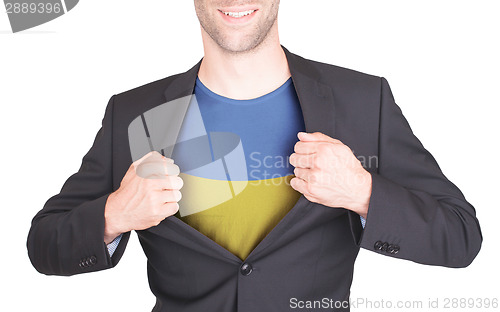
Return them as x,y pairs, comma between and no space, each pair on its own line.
238,20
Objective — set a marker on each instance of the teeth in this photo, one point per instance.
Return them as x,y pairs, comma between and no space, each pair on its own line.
239,14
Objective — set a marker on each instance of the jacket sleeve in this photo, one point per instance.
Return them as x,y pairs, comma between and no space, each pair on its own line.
415,212
67,236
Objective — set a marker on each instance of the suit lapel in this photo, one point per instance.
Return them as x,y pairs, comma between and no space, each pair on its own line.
183,84
316,98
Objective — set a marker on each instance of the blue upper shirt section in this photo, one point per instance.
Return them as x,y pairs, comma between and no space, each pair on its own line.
267,126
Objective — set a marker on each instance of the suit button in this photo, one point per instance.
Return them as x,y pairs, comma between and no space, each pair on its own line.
246,269
384,247
395,249
378,245
93,260
390,248
83,264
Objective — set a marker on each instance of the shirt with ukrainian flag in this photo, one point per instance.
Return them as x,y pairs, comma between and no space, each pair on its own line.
233,156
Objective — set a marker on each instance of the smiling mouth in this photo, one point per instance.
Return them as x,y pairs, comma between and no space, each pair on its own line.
238,14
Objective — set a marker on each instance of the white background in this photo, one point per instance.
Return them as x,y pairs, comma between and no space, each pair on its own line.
441,59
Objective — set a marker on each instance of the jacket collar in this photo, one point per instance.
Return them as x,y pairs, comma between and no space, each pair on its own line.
315,97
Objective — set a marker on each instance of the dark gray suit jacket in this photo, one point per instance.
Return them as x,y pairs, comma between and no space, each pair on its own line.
415,212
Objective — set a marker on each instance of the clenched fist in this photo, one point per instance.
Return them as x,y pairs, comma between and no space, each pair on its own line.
148,194
328,173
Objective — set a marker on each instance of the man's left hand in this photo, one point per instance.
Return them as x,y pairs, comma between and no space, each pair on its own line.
328,173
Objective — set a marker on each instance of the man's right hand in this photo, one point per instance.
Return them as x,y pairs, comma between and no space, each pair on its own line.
148,194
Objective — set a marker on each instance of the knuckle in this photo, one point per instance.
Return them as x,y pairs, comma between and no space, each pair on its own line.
313,161
168,160
343,151
147,184
172,169
320,161
172,208
306,161
324,148
296,147
171,182
300,161
177,195
314,176
156,221
180,182
177,169
166,183
171,196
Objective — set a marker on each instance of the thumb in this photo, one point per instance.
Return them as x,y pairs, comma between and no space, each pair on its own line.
146,156
151,157
316,137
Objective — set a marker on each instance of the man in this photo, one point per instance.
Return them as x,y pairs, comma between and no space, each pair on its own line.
268,247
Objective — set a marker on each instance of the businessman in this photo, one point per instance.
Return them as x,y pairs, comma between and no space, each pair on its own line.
272,244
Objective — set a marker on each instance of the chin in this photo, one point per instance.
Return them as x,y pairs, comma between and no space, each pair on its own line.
238,44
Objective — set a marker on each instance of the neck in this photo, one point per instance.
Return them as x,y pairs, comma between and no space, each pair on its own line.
245,75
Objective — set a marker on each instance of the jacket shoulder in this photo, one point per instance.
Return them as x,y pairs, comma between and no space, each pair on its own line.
335,75
152,89
132,103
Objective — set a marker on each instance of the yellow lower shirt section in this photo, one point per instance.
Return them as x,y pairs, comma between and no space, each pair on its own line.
239,223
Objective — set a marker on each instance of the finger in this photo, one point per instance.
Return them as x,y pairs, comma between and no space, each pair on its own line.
316,137
152,156
298,184
132,169
151,170
302,173
168,160
302,161
135,164
311,176
171,208
146,156
172,169
171,183
301,186
305,147
158,169
166,183
171,196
